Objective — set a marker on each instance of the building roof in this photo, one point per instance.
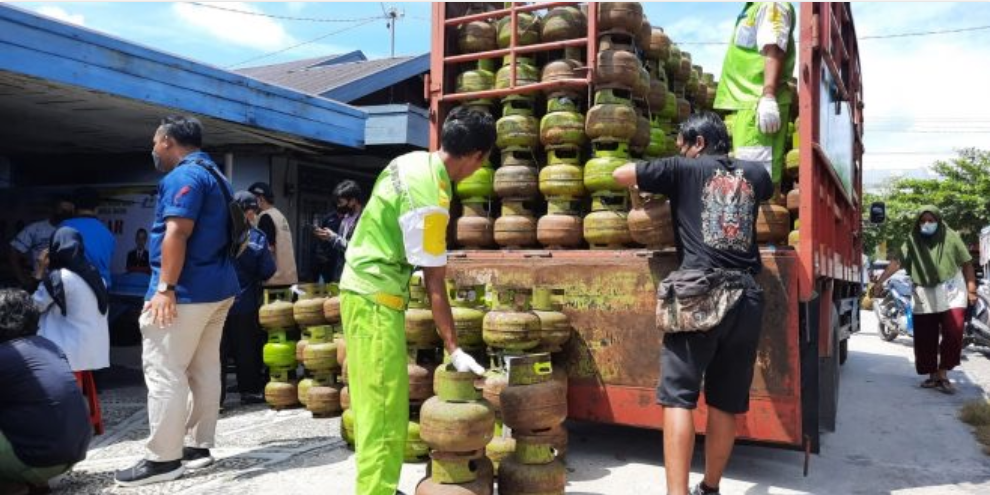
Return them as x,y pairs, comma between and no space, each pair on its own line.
273,71
103,73
342,80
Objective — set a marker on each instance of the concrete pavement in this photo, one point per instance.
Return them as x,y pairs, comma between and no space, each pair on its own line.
893,437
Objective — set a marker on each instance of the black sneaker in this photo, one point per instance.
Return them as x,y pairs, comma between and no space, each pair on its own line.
248,399
147,472
698,490
195,458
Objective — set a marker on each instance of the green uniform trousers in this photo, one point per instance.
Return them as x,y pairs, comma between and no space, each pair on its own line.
12,469
378,381
748,143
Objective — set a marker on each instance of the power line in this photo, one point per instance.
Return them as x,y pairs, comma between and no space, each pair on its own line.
282,17
873,37
307,42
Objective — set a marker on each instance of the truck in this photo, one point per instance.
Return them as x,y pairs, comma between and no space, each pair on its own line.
811,290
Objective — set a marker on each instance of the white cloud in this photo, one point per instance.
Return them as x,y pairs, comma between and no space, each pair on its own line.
253,31
60,14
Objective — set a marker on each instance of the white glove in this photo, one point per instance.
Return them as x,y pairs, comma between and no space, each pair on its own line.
463,362
768,115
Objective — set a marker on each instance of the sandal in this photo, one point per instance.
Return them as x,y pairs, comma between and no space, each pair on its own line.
946,387
930,383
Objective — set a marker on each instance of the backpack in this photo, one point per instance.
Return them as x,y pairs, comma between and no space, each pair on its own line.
237,226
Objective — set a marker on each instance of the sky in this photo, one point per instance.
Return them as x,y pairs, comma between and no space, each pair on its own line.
925,96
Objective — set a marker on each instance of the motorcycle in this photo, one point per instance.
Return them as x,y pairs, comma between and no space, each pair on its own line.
976,330
893,308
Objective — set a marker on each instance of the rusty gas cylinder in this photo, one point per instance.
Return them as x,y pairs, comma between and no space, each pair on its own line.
526,73
794,201
516,228
659,48
308,309
324,399
421,330
302,390
683,109
620,16
320,354
672,65
511,325
341,353
617,69
562,179
347,427
564,23
642,89
517,178
420,381
555,327
517,127
301,345
281,393
331,310
466,302
651,223
561,69
480,486
476,36
657,96
560,231
608,156
533,400
644,34
478,77
276,313
532,470
457,419
562,129
611,121
692,85
500,448
475,232
773,224
495,381
345,398
527,28
641,140
794,238
607,228
557,437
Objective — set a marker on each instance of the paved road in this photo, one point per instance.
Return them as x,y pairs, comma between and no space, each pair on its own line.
892,437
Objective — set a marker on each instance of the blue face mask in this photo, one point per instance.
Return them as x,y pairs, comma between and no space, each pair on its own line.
929,228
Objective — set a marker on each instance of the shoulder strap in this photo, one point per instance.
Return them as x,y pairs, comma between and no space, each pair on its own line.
219,178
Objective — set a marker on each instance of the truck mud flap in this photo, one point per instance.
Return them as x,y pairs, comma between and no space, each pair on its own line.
809,318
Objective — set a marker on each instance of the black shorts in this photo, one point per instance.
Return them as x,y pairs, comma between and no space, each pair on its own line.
723,358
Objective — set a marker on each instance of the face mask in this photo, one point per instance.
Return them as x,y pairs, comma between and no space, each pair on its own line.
343,210
157,160
929,228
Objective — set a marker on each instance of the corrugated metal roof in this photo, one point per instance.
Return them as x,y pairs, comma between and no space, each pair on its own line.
266,72
324,80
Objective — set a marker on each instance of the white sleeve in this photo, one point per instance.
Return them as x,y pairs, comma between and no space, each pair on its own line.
42,299
773,25
424,232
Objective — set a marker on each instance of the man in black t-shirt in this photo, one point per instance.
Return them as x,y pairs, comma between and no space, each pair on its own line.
714,201
44,423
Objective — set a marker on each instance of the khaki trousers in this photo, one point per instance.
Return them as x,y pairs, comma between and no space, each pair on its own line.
181,365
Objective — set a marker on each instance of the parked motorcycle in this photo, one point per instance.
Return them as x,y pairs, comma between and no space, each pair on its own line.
976,330
893,308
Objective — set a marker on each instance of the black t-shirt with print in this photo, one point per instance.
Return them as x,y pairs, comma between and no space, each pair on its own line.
714,201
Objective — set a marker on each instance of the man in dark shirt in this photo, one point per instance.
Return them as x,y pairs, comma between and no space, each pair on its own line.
44,423
243,338
714,202
335,231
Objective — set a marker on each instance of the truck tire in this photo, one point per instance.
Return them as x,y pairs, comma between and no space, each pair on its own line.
844,351
828,379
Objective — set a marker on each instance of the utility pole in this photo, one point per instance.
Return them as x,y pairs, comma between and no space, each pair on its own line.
394,15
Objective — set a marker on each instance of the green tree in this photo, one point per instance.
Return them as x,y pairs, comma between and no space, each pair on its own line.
961,191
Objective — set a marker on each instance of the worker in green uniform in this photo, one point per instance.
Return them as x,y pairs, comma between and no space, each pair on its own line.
404,225
753,86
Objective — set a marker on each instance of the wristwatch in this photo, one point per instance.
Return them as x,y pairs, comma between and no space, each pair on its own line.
164,287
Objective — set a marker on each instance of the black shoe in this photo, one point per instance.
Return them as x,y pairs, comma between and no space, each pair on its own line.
147,472
248,399
196,458
700,490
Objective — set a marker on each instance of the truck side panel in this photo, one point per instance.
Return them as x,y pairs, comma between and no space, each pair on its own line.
613,356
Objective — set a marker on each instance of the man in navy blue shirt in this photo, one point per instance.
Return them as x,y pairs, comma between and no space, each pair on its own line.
44,423
242,336
97,238
193,284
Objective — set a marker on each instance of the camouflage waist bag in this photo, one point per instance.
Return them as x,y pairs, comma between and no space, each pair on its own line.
697,300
